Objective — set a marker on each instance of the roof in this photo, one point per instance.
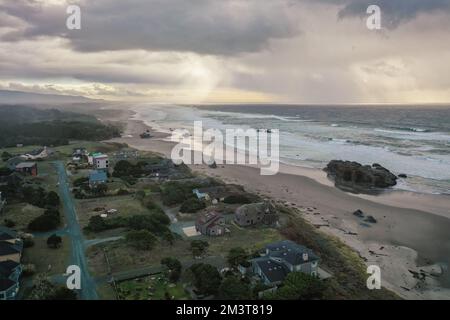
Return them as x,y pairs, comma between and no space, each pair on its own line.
254,209
23,165
274,271
100,156
208,217
7,248
6,284
7,234
97,176
7,267
291,252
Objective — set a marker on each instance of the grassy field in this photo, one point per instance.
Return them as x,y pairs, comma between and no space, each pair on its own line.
125,205
155,287
52,261
122,257
21,214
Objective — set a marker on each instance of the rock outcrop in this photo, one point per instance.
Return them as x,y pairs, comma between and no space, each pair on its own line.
354,177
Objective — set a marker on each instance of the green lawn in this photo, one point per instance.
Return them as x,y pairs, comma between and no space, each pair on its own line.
125,205
155,287
21,214
52,261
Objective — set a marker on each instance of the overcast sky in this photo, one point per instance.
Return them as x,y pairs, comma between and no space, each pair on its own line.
229,51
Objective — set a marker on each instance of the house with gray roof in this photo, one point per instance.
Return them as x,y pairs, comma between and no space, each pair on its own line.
11,247
279,259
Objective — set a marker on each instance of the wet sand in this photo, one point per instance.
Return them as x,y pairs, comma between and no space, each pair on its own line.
412,232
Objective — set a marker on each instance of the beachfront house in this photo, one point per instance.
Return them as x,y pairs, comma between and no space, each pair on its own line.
27,168
97,177
279,259
255,214
11,247
217,193
210,224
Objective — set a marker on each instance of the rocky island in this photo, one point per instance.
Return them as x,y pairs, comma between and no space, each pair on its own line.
357,178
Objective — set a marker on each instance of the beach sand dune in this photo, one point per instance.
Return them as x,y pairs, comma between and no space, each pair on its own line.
406,239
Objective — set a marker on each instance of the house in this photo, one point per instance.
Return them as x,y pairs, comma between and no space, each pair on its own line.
11,247
279,259
79,152
217,193
101,162
10,272
40,153
91,157
210,224
97,177
256,213
27,168
145,135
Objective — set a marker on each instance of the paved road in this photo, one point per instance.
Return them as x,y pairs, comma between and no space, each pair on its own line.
78,257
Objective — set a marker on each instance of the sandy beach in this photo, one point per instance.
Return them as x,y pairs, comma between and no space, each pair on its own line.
411,234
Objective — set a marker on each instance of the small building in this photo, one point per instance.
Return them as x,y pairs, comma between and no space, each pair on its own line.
79,152
97,177
40,153
210,224
27,168
279,259
101,162
217,193
256,213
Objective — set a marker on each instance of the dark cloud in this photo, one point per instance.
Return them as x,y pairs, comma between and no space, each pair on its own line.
202,26
394,12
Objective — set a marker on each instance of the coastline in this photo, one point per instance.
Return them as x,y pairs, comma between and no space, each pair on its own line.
387,243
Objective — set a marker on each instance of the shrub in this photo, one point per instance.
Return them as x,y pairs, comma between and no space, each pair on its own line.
141,240
237,198
192,205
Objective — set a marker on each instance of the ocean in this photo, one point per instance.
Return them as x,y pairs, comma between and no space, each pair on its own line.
413,140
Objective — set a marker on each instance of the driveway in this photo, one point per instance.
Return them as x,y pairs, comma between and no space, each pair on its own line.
88,287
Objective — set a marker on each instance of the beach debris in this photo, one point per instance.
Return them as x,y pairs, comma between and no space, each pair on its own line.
402,175
358,213
370,219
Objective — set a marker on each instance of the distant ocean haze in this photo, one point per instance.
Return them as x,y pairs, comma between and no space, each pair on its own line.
414,140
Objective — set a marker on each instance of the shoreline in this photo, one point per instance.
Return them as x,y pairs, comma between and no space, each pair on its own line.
387,243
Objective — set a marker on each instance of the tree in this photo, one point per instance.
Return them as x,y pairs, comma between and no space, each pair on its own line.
100,189
63,293
300,286
198,247
6,155
96,224
206,278
54,241
233,288
174,266
52,199
141,240
42,288
50,220
237,256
